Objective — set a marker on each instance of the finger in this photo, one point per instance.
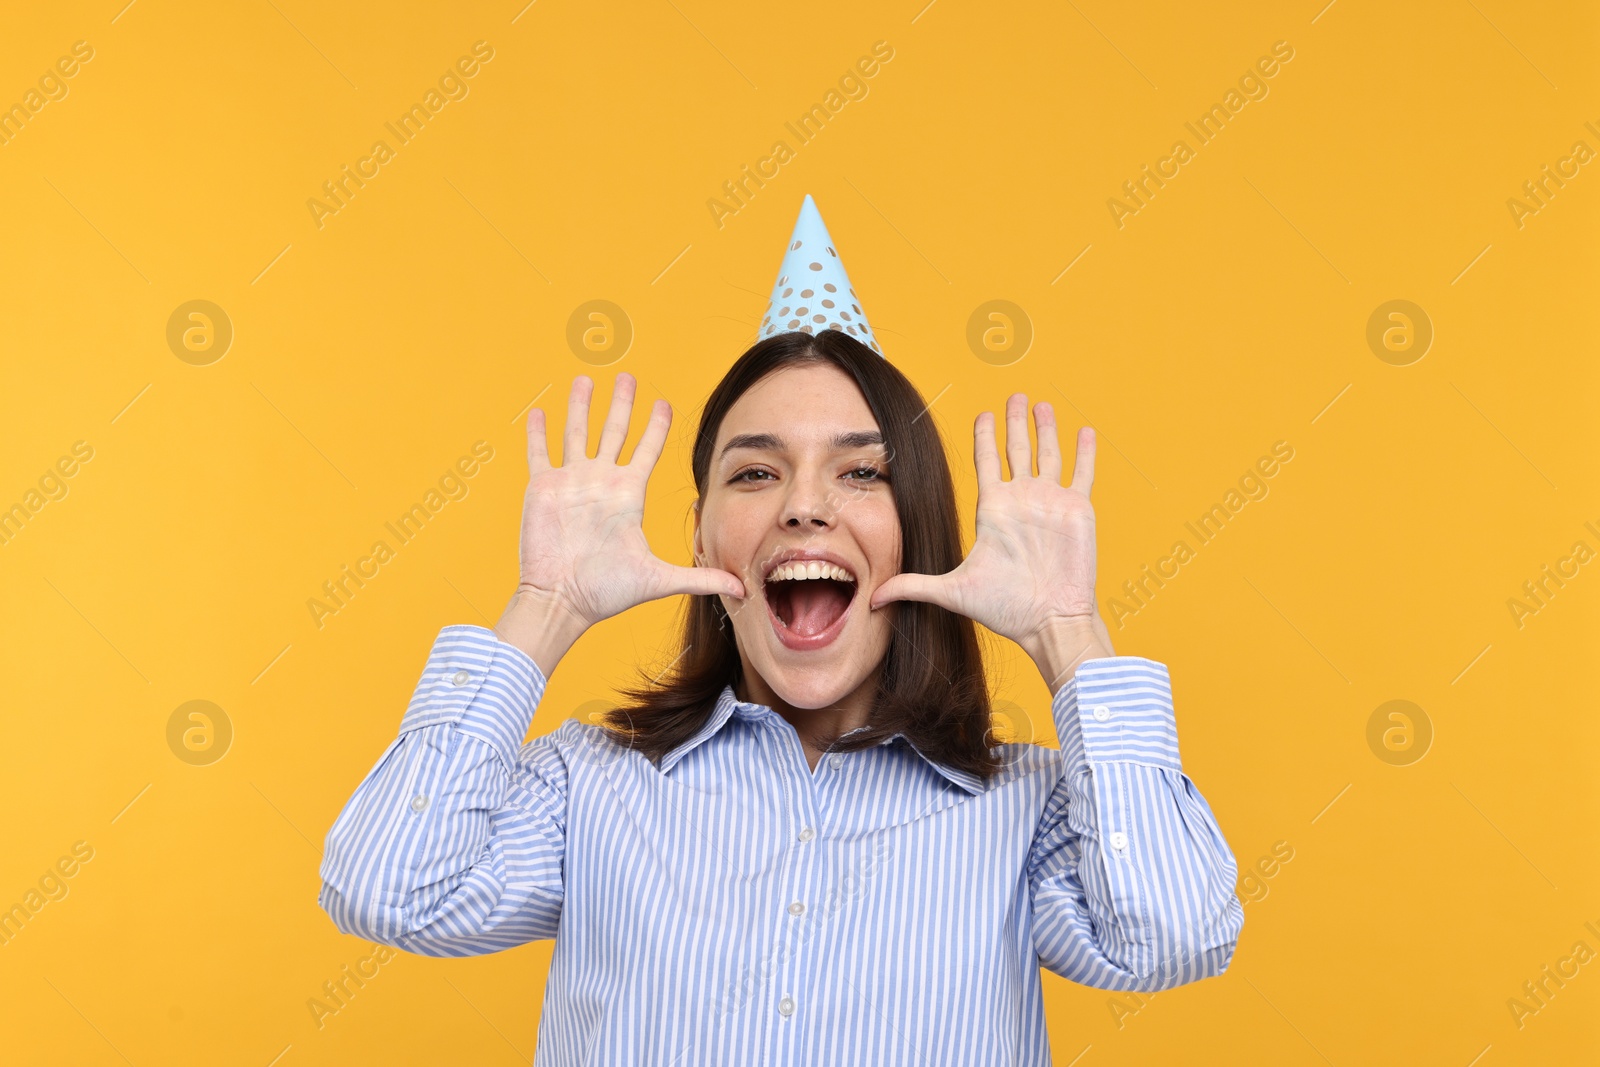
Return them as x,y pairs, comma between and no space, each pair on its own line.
538,448
1083,468
648,450
700,581
1019,451
576,443
615,431
1044,424
926,588
985,456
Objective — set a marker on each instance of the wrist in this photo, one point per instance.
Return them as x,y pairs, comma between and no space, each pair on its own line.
1062,645
541,625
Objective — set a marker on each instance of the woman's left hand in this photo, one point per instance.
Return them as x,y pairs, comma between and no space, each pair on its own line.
1031,573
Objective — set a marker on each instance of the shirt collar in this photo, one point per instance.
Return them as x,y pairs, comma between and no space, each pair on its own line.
728,706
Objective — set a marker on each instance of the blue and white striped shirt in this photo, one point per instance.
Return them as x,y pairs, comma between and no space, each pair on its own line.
732,906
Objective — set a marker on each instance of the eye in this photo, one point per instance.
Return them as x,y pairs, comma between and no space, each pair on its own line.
743,476
873,474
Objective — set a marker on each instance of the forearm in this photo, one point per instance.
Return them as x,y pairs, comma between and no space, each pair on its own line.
384,858
1133,878
1064,645
452,843
1149,903
541,626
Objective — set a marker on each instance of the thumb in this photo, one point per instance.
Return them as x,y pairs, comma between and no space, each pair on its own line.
700,581
928,588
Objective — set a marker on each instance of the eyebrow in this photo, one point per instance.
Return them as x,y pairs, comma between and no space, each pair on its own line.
771,442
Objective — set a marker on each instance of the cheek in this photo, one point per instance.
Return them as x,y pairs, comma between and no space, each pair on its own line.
727,533
877,532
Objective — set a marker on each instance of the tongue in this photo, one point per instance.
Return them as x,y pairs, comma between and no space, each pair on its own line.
815,605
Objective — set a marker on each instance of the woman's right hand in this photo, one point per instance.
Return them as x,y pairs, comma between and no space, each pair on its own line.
583,554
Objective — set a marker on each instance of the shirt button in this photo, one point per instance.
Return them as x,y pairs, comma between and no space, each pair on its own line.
807,834
797,908
786,1007
419,802
836,762
1102,713
1119,840
459,678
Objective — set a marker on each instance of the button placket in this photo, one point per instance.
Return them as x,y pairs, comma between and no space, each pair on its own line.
801,873
419,800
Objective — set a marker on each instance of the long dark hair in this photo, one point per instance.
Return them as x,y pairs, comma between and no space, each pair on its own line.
932,687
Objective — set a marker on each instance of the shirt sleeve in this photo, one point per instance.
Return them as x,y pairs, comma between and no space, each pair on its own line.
453,843
1132,881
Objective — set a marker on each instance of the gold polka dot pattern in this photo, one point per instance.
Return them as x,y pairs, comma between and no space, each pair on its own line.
810,256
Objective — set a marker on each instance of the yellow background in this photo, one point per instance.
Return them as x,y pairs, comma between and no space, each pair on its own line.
369,354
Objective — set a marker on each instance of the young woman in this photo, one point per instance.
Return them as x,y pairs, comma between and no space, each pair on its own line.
800,843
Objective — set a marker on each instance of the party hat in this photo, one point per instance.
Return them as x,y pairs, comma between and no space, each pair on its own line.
813,291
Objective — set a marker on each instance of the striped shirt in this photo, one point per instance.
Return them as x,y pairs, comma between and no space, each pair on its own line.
732,906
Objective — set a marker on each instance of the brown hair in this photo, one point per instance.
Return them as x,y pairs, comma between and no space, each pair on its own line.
932,687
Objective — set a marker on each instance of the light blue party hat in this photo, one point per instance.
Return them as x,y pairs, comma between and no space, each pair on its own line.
813,291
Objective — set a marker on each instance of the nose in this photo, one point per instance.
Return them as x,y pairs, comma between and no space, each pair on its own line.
808,506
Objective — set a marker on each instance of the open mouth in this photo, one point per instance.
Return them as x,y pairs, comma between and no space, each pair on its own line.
809,602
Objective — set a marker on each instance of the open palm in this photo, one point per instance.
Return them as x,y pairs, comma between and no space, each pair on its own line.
1032,563
583,542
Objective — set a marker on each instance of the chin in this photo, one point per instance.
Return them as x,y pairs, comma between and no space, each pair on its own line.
814,686
814,642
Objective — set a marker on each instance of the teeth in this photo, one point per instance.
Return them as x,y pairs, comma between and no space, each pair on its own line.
800,572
